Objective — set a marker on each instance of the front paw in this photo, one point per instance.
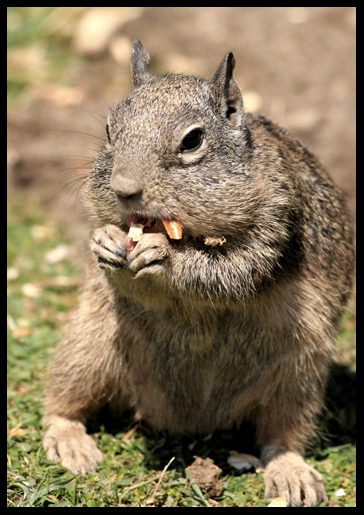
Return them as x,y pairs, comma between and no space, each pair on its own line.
150,253
288,475
108,245
67,442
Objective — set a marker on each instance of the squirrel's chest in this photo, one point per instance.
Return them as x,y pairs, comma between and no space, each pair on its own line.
187,392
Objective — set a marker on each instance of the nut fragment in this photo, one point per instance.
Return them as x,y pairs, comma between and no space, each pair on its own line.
173,228
212,241
135,231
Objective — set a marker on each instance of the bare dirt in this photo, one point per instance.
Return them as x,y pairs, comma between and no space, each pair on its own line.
296,65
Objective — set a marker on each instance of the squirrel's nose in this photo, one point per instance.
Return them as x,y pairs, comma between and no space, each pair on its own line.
125,187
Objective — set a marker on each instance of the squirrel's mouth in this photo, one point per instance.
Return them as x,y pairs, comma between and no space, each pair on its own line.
139,225
148,223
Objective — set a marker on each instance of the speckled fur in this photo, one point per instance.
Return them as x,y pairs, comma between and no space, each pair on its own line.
197,338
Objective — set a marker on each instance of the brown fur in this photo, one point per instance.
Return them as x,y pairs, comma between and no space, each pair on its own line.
193,337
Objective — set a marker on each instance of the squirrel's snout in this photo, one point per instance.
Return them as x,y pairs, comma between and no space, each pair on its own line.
127,190
125,187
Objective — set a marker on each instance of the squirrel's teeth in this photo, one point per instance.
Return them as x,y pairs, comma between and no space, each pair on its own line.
137,224
173,228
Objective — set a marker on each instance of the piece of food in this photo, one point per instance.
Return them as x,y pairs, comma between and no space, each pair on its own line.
173,228
139,226
214,241
135,231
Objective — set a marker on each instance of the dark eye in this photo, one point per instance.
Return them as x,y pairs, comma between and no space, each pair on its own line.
108,133
192,140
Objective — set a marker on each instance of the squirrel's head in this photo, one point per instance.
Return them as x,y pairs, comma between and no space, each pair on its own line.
176,146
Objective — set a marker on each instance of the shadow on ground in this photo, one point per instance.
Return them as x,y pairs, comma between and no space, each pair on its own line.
337,426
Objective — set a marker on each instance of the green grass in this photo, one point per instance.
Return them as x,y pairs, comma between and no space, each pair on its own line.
133,472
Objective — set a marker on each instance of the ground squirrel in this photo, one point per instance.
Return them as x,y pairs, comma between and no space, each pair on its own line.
232,317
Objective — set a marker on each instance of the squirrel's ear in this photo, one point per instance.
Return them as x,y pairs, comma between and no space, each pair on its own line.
139,63
229,91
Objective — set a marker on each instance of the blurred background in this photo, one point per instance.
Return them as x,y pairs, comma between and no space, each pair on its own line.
67,65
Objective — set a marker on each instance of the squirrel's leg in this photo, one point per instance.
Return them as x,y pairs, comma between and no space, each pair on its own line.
86,373
283,427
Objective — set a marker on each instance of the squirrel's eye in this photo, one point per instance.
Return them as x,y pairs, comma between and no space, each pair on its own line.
108,133
192,140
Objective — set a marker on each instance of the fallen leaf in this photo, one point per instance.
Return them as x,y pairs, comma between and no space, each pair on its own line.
61,96
99,24
253,101
62,281
58,254
120,50
278,502
17,431
129,433
18,333
345,482
12,274
31,290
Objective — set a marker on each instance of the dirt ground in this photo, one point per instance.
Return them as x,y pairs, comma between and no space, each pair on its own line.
296,65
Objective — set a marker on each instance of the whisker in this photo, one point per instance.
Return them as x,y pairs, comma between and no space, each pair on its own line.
78,132
94,115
